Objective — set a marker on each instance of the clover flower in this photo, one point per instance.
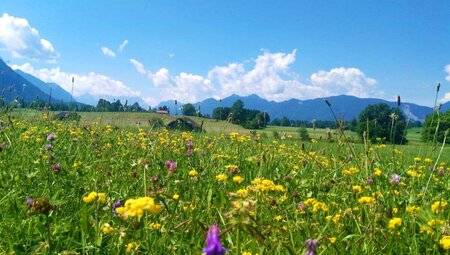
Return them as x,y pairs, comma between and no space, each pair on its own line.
395,179
311,246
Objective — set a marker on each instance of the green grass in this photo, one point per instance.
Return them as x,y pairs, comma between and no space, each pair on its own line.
291,190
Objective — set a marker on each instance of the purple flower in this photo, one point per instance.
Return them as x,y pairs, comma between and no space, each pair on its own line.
213,244
311,246
369,181
441,171
29,201
202,154
167,163
189,152
189,144
115,205
395,179
48,146
172,166
50,137
154,179
56,167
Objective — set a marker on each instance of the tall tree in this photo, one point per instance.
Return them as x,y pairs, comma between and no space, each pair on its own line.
382,122
189,110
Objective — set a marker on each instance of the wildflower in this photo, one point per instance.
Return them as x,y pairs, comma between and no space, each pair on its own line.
366,200
213,244
172,166
395,222
193,173
438,206
155,226
154,179
445,242
357,189
377,171
107,229
412,209
136,207
394,210
115,205
332,240
29,201
278,218
51,137
311,246
319,206
175,197
101,197
189,152
417,159
395,179
369,181
90,198
434,223
189,144
242,192
56,167
131,246
202,153
221,177
48,146
238,179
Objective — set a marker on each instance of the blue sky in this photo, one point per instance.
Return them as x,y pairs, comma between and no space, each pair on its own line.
192,50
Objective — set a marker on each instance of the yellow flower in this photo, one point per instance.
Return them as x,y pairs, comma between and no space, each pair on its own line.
175,197
377,171
332,240
357,189
242,192
221,177
101,197
107,229
395,222
320,206
417,159
155,226
445,242
136,207
366,200
278,218
238,179
90,198
394,210
131,246
412,209
434,223
438,206
193,173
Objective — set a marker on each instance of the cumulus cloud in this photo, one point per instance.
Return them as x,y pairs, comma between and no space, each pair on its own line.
351,81
122,45
108,52
91,84
447,70
24,41
270,77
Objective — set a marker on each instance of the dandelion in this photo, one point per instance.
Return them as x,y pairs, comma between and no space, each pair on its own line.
213,244
175,197
311,246
377,171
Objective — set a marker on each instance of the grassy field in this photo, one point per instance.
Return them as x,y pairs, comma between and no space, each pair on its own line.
92,188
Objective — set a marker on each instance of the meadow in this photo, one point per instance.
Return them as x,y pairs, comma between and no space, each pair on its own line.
113,184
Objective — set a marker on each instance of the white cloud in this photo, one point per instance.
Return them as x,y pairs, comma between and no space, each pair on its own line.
445,99
270,77
24,41
122,45
350,81
139,66
91,84
108,52
447,70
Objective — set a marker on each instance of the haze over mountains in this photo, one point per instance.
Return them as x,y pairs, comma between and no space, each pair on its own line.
17,84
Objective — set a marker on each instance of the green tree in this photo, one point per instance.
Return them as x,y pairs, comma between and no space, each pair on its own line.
189,110
221,113
238,112
381,121
429,127
103,105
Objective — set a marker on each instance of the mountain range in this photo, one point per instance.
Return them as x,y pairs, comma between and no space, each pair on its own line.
344,106
17,84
